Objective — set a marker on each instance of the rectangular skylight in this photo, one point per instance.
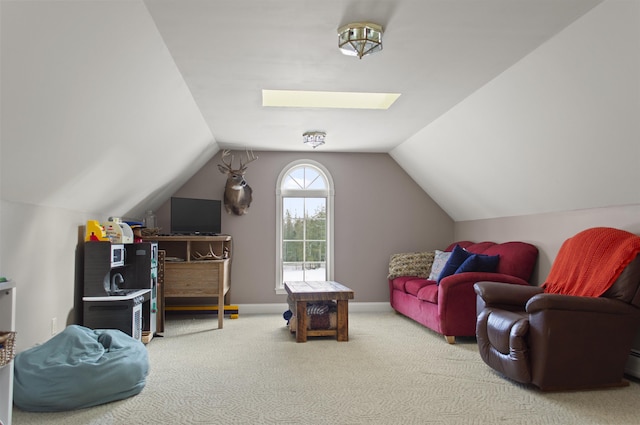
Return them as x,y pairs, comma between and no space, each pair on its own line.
327,99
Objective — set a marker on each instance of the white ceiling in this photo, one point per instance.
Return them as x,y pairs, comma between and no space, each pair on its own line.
436,53
508,107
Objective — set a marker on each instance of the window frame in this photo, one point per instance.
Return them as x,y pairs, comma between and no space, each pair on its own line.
327,193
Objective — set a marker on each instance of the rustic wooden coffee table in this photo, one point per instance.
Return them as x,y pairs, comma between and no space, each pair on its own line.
303,292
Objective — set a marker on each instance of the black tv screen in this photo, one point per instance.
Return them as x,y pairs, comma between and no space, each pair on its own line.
195,216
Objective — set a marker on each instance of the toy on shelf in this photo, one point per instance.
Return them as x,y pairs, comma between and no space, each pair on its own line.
95,231
118,231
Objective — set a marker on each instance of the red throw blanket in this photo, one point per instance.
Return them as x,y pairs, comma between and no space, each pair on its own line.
589,263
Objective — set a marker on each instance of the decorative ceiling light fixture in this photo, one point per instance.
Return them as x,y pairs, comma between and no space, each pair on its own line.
313,138
360,39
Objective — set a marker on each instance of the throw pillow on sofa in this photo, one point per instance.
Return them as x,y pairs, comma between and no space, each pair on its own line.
441,258
457,257
479,263
411,264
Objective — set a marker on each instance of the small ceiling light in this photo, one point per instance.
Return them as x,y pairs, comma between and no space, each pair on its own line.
360,39
313,138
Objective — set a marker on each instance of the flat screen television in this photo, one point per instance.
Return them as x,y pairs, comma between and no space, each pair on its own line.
192,216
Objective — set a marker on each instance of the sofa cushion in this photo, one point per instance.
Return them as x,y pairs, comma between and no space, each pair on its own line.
429,293
411,264
479,263
516,258
457,257
399,283
479,247
439,261
413,286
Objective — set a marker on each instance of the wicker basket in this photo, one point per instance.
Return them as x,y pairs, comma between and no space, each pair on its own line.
7,347
149,231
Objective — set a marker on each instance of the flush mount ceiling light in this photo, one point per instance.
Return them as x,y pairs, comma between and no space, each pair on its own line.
360,39
314,138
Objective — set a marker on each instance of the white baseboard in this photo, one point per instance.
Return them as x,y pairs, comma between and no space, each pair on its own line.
354,307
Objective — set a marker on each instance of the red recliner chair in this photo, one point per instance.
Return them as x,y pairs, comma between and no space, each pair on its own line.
574,332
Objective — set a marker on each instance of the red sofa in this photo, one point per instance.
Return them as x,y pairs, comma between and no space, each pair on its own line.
449,306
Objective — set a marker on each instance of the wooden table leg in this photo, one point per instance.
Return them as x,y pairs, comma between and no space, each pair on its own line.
220,297
301,321
220,313
343,320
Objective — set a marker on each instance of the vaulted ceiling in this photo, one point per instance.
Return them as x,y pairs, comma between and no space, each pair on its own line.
506,107
435,53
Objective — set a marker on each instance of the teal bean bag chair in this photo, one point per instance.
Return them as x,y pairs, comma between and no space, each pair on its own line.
78,368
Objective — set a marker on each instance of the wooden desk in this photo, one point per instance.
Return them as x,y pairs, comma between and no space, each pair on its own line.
303,292
189,275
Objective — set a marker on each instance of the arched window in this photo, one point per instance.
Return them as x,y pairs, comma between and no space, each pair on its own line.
304,223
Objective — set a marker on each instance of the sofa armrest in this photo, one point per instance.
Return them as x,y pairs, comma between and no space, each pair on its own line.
452,289
499,294
543,301
457,300
465,281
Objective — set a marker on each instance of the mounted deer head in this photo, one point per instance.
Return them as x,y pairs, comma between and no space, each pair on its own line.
237,193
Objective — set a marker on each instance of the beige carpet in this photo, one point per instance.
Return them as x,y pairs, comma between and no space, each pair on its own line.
392,371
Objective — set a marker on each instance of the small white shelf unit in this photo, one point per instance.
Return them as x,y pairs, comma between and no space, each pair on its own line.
7,323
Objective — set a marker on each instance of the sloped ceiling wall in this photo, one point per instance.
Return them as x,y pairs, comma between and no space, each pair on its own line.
558,131
92,102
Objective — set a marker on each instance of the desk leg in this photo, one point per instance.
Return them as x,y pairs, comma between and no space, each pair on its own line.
301,321
221,281
343,320
220,311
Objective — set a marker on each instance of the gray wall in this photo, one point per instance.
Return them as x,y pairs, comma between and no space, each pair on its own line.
379,211
548,231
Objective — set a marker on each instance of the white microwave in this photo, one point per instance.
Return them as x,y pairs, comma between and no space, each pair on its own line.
117,255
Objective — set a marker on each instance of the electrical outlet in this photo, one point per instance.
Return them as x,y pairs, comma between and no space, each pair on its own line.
54,326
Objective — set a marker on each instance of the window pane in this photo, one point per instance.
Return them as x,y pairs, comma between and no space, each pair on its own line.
303,178
294,207
315,251
313,180
295,179
315,271
293,251
292,272
310,177
316,215
293,219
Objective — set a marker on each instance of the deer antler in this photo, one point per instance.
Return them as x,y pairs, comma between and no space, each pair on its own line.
249,158
208,256
225,154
